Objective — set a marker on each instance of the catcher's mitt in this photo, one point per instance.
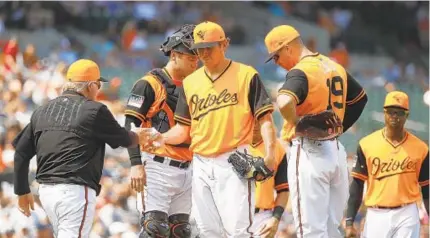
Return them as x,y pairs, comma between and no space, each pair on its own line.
322,126
248,166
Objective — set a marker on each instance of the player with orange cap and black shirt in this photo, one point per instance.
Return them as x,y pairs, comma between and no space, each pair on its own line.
217,109
395,164
268,207
317,169
68,136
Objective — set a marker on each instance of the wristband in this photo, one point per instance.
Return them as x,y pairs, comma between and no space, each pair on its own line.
277,212
349,222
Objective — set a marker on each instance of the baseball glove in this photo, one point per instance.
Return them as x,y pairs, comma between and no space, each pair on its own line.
322,126
248,166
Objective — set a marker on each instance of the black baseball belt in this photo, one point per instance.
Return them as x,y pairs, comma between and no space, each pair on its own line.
394,207
257,210
174,163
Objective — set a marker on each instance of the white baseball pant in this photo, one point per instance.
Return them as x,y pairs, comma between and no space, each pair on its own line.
70,209
260,219
318,180
168,188
223,204
402,222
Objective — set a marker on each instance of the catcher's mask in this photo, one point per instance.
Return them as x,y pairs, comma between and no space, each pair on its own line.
181,41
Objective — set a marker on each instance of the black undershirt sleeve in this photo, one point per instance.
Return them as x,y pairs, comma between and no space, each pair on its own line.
134,152
356,100
354,202
281,177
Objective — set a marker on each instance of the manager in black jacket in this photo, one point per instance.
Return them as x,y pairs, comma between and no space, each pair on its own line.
68,136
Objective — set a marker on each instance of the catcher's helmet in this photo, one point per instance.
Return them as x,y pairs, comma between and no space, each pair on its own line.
181,40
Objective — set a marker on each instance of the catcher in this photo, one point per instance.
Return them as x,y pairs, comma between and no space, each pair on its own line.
268,210
318,101
152,102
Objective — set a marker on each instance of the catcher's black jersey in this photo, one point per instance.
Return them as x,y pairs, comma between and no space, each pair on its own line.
153,100
141,98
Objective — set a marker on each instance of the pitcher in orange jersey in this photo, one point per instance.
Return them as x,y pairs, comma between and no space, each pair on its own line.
152,102
268,209
394,164
317,171
217,108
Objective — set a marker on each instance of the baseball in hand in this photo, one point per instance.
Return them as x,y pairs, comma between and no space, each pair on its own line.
155,136
134,129
151,138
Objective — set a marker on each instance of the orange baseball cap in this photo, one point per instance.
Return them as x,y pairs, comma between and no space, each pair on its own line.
397,99
207,34
279,37
84,70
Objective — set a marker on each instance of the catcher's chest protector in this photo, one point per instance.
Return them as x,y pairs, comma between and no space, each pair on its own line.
163,119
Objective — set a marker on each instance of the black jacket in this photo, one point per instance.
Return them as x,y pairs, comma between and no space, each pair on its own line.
68,136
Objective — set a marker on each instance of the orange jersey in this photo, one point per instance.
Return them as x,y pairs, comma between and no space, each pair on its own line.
264,191
317,84
221,111
151,102
392,173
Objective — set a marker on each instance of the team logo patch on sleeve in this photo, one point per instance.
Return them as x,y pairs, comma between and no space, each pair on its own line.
135,100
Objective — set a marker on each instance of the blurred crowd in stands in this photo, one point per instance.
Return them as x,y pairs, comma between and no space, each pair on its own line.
29,78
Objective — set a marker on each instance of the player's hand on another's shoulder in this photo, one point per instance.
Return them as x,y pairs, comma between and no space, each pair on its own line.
138,178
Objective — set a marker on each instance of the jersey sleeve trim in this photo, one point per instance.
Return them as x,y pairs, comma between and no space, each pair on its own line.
356,99
255,144
183,120
135,114
424,183
290,93
264,109
282,186
359,176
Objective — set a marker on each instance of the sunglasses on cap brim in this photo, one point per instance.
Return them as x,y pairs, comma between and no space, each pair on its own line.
275,55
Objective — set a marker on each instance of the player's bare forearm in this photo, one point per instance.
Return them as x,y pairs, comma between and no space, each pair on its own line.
268,133
177,134
282,199
287,107
280,204
426,204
